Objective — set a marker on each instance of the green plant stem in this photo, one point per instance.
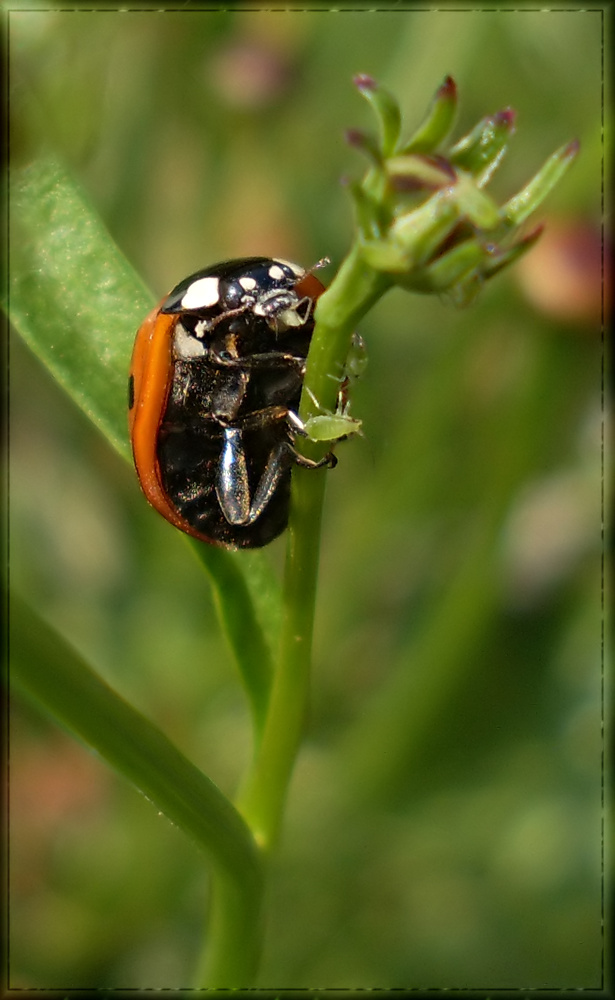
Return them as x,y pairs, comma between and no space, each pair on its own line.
238,617
233,944
262,803
352,293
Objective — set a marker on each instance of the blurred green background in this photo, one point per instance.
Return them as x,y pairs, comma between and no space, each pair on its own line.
444,820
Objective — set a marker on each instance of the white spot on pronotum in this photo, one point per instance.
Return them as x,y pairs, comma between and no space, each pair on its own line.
295,268
248,283
201,293
185,346
276,272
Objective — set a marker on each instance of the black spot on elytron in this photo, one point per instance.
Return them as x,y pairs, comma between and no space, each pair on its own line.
131,392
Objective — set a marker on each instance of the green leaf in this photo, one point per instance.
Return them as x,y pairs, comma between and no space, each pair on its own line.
445,271
519,207
420,233
437,122
72,295
475,205
414,171
366,143
46,668
502,258
237,596
386,109
481,150
384,255
370,214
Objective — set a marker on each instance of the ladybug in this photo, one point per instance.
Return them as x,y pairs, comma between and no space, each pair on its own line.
215,380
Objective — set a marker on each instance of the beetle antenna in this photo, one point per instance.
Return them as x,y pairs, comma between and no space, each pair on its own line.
323,262
211,323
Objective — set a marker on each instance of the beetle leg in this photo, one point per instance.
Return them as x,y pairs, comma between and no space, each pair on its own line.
232,486
329,460
267,359
260,417
279,460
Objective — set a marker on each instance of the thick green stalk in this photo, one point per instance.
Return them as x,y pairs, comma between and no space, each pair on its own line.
355,289
353,292
233,946
262,803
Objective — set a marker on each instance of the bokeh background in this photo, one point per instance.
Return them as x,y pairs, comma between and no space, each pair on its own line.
444,820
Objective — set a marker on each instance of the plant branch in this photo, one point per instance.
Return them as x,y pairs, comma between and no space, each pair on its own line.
354,290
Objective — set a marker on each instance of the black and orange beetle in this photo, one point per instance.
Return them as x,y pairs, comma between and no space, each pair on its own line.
215,381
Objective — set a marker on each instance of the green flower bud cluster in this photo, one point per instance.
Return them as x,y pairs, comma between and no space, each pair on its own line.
424,216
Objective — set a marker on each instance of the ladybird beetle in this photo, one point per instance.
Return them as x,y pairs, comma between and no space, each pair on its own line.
215,381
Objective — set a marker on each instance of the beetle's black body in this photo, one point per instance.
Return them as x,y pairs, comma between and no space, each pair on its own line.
225,442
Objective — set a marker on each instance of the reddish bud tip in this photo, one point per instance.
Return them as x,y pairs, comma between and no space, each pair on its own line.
364,82
571,150
447,89
534,234
354,137
507,118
